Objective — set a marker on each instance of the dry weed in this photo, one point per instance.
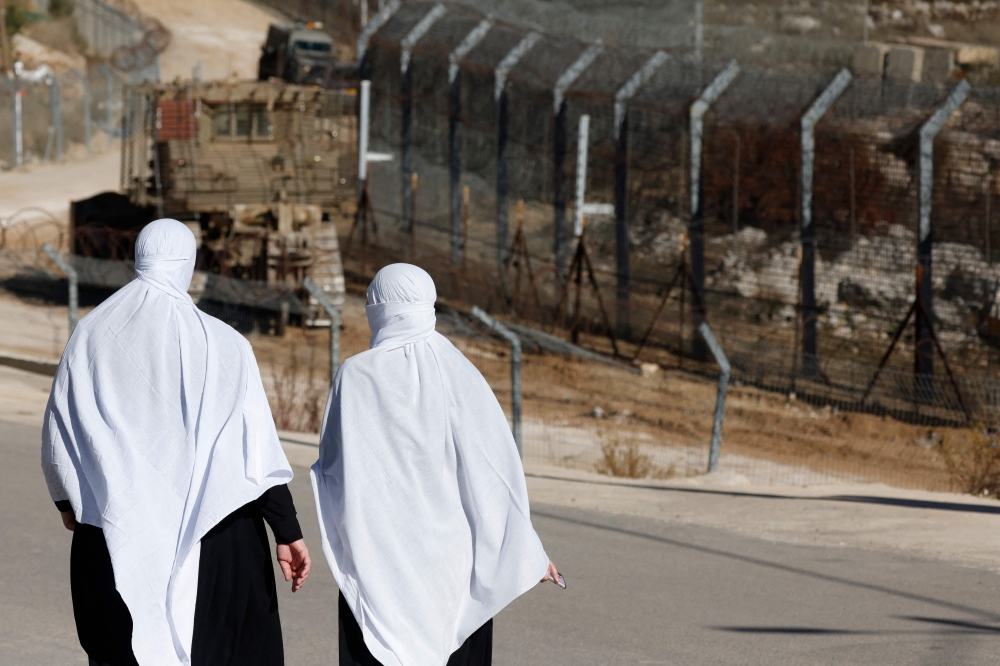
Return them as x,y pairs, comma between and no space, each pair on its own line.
298,395
973,461
624,459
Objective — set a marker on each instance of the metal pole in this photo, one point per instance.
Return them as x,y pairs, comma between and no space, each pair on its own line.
110,102
582,144
455,168
736,186
515,371
86,108
864,24
924,356
454,140
56,96
622,97
696,227
406,149
720,397
500,97
18,130
364,114
699,29
563,83
152,124
559,191
371,27
989,193
807,274
331,310
72,277
406,138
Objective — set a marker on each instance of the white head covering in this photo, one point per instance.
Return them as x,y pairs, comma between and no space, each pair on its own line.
421,496
157,428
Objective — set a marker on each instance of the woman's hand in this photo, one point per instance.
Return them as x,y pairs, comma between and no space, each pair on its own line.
69,520
552,573
295,563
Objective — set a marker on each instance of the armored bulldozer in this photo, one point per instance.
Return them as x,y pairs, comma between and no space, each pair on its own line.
256,169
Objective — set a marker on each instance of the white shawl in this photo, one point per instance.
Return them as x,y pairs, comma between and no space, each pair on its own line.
422,502
157,428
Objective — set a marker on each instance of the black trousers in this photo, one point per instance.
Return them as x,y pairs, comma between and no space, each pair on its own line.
236,620
477,650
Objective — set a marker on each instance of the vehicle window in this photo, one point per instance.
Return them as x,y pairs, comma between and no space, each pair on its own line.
263,121
222,121
320,47
243,120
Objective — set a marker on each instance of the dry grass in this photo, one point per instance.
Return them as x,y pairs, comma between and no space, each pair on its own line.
624,459
298,389
973,461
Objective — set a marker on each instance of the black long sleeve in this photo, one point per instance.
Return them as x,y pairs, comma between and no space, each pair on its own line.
278,509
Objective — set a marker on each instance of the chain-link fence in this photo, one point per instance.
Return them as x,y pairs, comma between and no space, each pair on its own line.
699,165
576,412
58,112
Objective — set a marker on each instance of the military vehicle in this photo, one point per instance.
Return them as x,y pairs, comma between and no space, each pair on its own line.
297,53
256,169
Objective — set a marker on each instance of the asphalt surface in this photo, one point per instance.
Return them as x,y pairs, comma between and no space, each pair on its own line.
640,592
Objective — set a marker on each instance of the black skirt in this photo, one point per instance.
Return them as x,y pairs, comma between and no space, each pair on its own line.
477,650
236,620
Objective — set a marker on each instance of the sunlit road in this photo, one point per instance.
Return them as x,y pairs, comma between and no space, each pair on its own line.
640,592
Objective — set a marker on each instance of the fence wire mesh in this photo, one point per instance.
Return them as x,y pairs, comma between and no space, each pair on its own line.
865,208
577,412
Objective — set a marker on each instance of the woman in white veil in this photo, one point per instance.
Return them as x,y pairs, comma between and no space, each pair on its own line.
159,449
421,495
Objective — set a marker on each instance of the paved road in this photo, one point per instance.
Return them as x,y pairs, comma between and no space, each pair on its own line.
640,592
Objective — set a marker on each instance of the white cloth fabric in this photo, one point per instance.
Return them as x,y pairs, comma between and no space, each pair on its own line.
157,428
422,502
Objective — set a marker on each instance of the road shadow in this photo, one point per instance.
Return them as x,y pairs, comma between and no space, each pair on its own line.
962,507
777,566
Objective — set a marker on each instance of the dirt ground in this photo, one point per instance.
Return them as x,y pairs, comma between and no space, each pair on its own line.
572,406
224,35
51,187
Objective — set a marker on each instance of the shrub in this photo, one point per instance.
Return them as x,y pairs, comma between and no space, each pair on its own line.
973,461
624,459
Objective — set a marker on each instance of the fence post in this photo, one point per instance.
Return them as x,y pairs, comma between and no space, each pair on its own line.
696,227
699,29
72,278
55,104
109,110
720,397
331,310
515,371
86,107
582,149
364,119
810,365
406,123
385,13
18,128
622,97
454,140
563,83
924,361
500,98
